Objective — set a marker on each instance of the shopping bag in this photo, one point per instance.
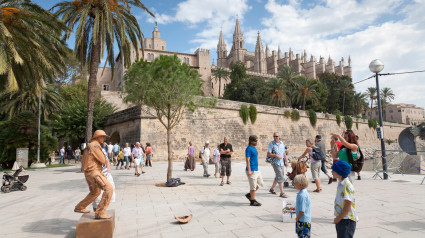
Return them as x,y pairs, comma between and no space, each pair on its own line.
288,211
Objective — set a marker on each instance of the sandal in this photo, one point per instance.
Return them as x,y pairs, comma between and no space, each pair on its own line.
317,190
272,191
228,182
283,195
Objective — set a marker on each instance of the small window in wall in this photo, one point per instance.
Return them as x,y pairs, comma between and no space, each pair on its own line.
224,86
106,87
162,47
150,46
212,85
241,45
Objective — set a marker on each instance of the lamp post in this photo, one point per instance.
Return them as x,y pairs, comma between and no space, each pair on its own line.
377,66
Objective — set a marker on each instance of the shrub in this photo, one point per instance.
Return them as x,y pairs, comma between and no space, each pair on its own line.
327,116
389,141
244,113
295,115
252,113
338,119
372,123
357,123
348,122
287,114
312,116
364,117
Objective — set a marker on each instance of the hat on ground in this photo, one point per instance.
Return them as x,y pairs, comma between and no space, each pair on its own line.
207,142
99,133
319,137
342,168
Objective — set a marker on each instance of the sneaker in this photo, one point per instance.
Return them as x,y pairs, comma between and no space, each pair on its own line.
359,178
228,182
248,195
330,180
208,175
255,203
313,181
222,183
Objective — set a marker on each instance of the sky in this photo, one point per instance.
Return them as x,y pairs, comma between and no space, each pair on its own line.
390,30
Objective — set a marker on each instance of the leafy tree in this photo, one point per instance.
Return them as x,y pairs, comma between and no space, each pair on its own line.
287,75
278,94
237,76
165,89
21,132
220,74
360,103
30,46
100,23
371,93
345,86
387,96
26,99
306,89
70,121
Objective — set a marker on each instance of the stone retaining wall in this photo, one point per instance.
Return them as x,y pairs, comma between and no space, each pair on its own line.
224,120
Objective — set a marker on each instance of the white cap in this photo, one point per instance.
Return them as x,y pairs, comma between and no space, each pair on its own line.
207,142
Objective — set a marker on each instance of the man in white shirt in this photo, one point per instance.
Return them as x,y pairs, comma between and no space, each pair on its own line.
127,155
62,154
137,155
110,152
206,155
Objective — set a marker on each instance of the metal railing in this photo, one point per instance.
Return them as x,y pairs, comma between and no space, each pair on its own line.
399,162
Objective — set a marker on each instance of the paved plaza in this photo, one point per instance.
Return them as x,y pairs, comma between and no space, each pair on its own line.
394,208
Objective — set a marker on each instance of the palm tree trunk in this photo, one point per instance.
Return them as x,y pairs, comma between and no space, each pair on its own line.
343,104
219,87
304,102
371,106
91,95
170,159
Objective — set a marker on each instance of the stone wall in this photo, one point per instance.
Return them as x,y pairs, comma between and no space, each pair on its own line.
214,124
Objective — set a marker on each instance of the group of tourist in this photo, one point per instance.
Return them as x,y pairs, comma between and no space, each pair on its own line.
68,154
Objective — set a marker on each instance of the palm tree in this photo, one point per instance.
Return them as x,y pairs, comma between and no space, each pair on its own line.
26,99
219,74
306,89
371,93
30,45
387,96
360,103
345,87
287,75
100,23
278,96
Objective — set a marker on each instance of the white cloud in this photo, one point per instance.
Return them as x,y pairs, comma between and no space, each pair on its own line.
341,28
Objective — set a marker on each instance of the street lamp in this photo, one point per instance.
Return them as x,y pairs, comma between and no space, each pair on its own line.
377,66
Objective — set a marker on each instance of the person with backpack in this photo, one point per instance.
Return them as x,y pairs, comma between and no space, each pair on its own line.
322,146
315,155
349,152
276,151
148,152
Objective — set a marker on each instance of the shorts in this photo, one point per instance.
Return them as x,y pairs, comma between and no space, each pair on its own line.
77,157
116,153
303,229
278,173
110,155
226,166
255,180
315,169
137,161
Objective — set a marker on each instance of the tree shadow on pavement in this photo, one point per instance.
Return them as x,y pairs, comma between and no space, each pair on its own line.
51,226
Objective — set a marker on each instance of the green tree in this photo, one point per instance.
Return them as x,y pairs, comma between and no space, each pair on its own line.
70,121
287,75
345,86
387,95
165,89
360,103
371,93
306,89
220,74
26,99
237,76
278,95
100,23
30,46
20,131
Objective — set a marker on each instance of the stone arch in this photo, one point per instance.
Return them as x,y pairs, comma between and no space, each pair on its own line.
115,138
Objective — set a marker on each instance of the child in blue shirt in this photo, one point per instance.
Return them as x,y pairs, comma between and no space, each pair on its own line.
303,210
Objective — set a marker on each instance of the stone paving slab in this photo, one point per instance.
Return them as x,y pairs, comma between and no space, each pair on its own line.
392,208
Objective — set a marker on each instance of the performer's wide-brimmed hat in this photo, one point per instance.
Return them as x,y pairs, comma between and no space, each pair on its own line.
99,133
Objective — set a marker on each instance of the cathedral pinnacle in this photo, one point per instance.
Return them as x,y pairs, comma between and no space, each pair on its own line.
237,28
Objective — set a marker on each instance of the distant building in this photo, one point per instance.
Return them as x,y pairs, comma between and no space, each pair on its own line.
402,113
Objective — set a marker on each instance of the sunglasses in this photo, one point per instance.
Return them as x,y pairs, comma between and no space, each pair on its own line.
275,136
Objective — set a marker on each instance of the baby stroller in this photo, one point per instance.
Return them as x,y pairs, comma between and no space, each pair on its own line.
15,181
298,167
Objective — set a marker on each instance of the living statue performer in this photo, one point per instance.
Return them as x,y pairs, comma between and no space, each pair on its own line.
91,164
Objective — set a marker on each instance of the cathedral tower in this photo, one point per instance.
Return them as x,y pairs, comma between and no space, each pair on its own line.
260,57
238,47
221,52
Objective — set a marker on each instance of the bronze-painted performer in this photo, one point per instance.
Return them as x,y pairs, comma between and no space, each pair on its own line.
91,165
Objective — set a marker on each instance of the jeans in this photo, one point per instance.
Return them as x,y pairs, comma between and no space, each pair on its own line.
120,161
345,228
217,167
127,160
62,160
205,164
324,167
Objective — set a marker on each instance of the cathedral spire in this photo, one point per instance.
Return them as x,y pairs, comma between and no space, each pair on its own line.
259,44
221,39
267,51
237,28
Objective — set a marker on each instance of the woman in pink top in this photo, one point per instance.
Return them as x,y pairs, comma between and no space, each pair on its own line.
190,161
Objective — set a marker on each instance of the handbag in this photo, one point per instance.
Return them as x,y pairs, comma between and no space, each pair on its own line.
271,159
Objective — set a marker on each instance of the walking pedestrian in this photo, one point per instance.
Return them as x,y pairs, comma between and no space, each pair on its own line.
348,149
120,158
206,155
302,208
149,154
137,155
320,144
345,201
111,152
116,149
127,156
190,161
335,146
276,149
315,164
226,151
252,172
216,155
62,154
77,154
69,153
